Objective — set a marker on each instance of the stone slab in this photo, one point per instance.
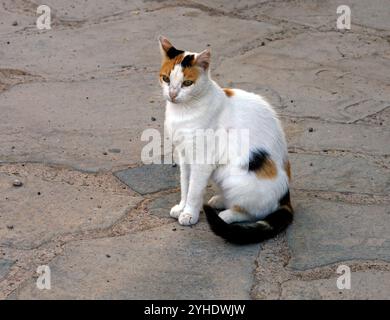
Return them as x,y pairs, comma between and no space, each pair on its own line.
92,46
162,205
52,202
150,178
325,232
337,137
332,76
341,173
80,124
162,263
370,285
5,266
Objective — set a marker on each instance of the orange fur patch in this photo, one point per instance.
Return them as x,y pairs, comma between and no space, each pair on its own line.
287,168
168,65
237,208
191,73
229,92
268,170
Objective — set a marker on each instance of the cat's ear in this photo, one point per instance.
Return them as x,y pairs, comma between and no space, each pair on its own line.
168,51
165,45
203,59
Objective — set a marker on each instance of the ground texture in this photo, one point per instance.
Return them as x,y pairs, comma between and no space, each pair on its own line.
74,101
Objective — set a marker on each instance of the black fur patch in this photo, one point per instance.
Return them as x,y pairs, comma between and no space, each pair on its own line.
257,159
249,232
285,200
173,52
187,61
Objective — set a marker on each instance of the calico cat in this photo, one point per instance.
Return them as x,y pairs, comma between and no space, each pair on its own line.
255,204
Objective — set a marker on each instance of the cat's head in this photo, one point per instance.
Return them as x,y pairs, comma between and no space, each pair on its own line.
183,75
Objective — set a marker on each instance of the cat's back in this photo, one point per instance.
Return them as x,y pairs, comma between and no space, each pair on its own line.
247,110
246,104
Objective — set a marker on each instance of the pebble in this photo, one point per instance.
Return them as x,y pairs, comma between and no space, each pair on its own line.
10,227
15,23
311,129
153,118
17,183
114,150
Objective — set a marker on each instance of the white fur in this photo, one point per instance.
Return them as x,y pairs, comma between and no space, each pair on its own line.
204,105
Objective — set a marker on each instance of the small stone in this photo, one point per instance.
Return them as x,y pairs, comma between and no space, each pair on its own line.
174,229
114,150
8,42
153,119
311,129
38,193
174,165
263,44
15,23
108,256
10,227
105,153
17,183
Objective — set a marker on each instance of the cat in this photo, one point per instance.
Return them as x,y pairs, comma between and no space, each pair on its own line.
254,204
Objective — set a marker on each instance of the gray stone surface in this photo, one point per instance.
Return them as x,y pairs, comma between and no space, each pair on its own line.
326,232
5,266
161,206
53,202
157,264
347,173
81,94
150,178
362,284
77,123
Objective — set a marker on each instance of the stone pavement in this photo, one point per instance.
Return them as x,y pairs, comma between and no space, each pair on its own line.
75,100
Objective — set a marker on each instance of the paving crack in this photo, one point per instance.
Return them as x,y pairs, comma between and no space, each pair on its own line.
272,270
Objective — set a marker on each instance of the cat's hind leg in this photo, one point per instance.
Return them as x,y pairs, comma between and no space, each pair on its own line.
234,215
217,202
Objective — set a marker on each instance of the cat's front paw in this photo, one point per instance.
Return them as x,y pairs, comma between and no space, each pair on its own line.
187,219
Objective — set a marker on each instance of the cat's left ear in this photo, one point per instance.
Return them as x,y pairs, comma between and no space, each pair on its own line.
203,59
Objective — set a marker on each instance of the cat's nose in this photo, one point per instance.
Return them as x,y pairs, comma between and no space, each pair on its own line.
172,94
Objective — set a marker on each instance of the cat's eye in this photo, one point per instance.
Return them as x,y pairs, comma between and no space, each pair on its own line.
166,79
187,83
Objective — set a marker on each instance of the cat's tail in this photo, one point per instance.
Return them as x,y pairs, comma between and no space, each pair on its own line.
250,232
